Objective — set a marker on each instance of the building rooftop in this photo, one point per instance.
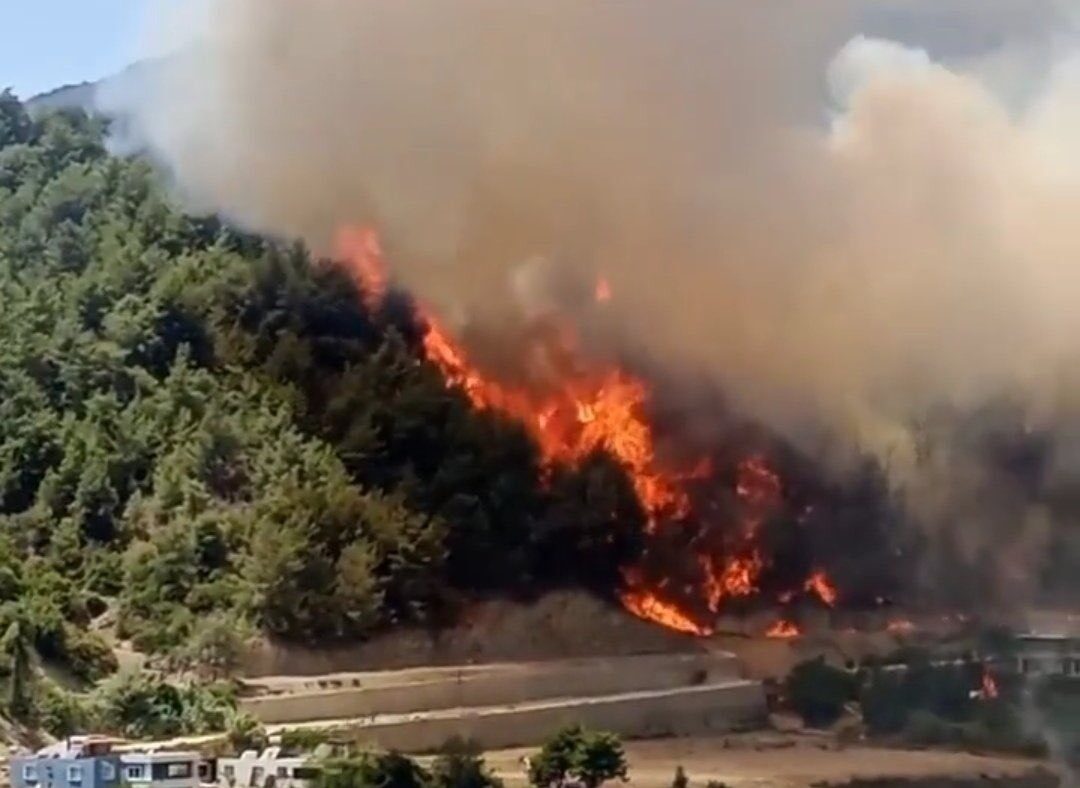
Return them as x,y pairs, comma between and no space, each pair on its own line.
79,747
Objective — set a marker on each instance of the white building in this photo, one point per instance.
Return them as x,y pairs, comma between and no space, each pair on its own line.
268,769
1044,654
160,769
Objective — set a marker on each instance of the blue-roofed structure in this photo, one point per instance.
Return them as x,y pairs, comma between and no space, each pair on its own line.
76,762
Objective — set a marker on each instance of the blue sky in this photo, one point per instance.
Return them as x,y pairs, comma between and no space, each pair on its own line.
48,43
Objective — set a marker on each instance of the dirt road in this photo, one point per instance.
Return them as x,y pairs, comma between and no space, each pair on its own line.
755,761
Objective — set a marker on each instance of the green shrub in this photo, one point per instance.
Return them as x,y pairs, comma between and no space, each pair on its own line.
88,655
302,740
372,770
63,713
817,691
139,705
593,757
245,732
459,765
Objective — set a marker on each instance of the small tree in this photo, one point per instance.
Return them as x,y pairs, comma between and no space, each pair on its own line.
16,647
592,757
372,770
459,765
680,780
601,758
818,691
245,732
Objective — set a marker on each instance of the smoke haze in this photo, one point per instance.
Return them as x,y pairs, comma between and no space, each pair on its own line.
845,212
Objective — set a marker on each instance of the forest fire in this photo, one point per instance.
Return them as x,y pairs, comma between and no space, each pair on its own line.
586,408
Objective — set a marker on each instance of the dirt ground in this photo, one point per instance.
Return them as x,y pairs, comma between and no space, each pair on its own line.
756,760
560,625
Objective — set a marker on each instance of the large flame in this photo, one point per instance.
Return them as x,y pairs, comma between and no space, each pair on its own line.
585,409
571,418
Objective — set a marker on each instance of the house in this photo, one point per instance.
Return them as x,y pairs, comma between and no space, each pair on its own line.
1045,654
160,769
266,769
76,762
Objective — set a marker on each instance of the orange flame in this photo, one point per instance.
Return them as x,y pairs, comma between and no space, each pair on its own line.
359,247
577,416
735,577
783,630
989,688
819,584
645,604
602,293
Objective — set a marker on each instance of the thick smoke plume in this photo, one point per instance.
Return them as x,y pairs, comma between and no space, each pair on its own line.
847,212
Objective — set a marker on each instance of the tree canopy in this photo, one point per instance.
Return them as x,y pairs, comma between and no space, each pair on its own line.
205,431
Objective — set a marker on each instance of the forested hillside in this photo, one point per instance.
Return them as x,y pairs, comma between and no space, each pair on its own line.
204,433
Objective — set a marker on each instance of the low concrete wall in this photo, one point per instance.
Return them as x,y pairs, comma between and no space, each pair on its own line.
688,710
502,685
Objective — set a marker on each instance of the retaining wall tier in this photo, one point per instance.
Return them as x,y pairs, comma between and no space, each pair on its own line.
344,696
712,707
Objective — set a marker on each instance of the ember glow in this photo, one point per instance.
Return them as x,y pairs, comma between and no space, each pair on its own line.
583,408
989,688
819,584
900,626
783,630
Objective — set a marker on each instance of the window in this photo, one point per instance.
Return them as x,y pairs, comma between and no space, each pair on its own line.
176,771
74,774
29,772
229,772
305,772
257,773
136,772
282,771
108,771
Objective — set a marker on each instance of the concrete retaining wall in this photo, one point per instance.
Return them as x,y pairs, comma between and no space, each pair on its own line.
500,685
684,711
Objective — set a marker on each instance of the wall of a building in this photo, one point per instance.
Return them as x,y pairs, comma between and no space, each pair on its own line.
53,772
154,769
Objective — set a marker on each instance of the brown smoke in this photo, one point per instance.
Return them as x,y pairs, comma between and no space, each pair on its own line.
841,228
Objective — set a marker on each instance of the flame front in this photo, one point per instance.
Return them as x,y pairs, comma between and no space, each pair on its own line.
643,603
571,418
584,409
